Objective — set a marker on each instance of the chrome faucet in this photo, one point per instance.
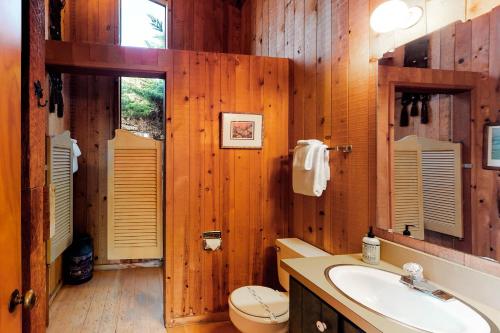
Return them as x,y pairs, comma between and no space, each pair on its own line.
415,280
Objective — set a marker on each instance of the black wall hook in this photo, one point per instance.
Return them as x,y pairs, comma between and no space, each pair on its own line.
39,94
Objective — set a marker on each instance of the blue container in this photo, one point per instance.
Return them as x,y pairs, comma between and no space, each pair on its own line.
79,261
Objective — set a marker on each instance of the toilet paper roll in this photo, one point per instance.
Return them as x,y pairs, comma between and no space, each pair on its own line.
212,244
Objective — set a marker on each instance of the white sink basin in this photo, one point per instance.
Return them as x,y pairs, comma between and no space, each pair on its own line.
382,292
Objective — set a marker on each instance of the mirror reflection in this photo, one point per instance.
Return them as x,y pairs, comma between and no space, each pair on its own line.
438,140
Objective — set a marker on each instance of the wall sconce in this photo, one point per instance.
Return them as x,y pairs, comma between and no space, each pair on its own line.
394,15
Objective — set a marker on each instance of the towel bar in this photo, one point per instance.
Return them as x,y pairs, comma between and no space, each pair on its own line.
340,148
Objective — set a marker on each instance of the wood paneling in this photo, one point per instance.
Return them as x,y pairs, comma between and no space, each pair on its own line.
243,193
209,25
328,42
34,124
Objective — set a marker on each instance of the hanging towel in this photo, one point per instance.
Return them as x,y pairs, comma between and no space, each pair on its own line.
76,153
304,154
311,167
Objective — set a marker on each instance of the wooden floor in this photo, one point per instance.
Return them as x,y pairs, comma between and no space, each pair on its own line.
128,300
121,301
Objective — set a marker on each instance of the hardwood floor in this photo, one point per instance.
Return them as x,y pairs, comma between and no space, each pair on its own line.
121,301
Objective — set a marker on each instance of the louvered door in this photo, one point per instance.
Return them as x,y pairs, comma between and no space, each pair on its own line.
442,186
60,175
134,197
407,192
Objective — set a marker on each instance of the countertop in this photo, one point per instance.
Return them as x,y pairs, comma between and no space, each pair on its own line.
311,273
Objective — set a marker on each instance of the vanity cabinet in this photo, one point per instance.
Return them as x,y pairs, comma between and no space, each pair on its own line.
308,313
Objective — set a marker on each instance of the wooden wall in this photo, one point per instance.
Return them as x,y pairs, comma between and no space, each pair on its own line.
208,25
241,192
329,44
211,25
335,101
33,124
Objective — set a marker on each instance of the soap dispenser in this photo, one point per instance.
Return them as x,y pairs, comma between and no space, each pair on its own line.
371,248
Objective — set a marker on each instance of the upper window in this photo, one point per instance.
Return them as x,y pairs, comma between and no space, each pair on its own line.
142,100
143,24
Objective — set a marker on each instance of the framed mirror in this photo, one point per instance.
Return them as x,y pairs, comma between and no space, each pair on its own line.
438,104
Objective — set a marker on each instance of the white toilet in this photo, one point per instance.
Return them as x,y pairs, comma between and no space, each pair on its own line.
260,309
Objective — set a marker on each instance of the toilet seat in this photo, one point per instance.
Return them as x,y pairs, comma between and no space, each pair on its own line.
258,301
259,309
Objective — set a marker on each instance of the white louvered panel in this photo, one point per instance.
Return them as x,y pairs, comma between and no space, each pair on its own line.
61,183
135,197
407,192
133,169
442,190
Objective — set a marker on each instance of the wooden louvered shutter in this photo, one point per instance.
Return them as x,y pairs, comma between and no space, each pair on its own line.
134,197
442,186
60,176
407,192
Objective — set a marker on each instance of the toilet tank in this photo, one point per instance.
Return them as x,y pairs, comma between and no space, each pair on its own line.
289,248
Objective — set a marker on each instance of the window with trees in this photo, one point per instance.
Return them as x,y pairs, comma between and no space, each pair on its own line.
143,24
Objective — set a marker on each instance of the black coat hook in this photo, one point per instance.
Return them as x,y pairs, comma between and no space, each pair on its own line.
39,94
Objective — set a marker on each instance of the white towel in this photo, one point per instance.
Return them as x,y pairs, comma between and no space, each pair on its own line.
304,153
76,153
311,167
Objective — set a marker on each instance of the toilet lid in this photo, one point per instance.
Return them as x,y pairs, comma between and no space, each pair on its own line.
260,301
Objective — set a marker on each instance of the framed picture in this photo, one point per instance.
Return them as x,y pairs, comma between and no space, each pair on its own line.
491,146
241,130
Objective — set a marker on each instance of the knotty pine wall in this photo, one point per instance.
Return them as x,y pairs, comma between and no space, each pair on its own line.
209,25
333,100
241,192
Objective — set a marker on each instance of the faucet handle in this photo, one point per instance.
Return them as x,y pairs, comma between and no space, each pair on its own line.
414,270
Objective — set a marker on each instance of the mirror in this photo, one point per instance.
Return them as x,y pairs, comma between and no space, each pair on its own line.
438,142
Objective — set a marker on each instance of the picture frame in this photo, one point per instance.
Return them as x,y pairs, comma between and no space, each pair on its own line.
491,146
241,130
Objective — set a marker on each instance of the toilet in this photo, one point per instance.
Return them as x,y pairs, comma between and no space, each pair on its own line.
265,310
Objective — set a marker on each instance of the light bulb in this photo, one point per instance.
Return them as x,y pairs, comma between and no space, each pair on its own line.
389,16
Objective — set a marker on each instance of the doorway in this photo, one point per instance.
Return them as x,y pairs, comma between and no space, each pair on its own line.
124,281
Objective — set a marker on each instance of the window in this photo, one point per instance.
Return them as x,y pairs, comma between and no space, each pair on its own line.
142,106
143,24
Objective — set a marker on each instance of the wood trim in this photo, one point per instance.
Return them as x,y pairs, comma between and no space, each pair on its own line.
207,318
33,127
485,146
390,78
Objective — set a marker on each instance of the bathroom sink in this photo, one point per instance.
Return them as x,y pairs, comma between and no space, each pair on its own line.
383,293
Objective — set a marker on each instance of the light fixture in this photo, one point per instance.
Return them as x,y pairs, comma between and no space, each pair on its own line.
394,14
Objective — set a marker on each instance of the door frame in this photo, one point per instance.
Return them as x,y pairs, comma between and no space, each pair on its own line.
115,61
33,125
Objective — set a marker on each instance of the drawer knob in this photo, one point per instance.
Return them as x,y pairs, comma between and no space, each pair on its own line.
321,326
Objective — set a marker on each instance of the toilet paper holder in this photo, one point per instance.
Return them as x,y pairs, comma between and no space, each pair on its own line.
212,240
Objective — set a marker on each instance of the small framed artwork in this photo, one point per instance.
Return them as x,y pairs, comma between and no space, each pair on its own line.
491,146
241,130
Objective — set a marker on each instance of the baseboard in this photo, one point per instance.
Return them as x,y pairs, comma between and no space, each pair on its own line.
54,293
205,318
145,264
